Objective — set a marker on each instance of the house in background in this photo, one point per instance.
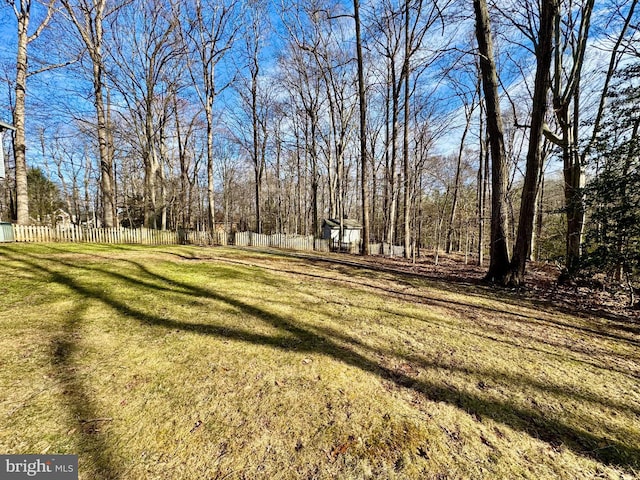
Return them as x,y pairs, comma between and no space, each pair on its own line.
351,233
3,126
60,217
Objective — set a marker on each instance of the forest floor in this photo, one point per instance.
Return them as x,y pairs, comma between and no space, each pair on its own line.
593,296
190,363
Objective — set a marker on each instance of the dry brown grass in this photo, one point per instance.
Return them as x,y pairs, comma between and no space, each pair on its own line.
179,362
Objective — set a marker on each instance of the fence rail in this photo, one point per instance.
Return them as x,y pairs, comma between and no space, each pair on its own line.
140,236
279,240
146,236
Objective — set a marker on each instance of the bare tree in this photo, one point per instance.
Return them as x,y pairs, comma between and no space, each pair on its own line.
498,250
212,28
614,62
306,84
483,176
544,52
187,121
364,177
389,40
22,11
255,98
325,69
88,16
469,102
416,26
570,44
144,51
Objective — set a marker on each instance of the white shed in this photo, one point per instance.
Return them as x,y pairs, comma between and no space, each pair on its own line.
351,230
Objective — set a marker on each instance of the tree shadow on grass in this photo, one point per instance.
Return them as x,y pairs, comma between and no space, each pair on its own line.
421,361
361,280
82,410
293,337
463,284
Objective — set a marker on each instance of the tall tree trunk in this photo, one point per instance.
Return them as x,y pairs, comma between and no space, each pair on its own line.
483,172
544,54
279,210
565,91
162,160
263,158
406,197
211,33
184,167
536,246
386,205
374,205
298,189
574,185
23,15
19,145
499,251
150,171
112,188
314,174
91,219
255,151
392,174
89,27
456,184
106,165
537,215
163,197
211,200
364,176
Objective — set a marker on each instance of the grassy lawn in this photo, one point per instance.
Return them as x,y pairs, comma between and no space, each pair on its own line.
190,363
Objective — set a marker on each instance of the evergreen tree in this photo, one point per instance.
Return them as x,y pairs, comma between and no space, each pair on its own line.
613,195
44,196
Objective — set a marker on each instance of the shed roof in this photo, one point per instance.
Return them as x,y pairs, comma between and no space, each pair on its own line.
6,126
346,223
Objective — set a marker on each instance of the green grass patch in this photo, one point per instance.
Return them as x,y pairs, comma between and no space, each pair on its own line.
181,362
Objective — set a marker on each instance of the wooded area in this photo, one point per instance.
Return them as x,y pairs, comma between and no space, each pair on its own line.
508,128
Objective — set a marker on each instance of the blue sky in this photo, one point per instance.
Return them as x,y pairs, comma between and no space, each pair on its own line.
66,95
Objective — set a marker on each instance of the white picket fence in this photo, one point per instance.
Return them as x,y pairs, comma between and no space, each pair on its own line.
140,236
146,236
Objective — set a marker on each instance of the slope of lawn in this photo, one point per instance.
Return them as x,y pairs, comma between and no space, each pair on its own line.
193,363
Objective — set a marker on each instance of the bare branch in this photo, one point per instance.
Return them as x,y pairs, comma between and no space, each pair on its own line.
553,137
44,23
53,67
